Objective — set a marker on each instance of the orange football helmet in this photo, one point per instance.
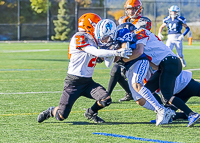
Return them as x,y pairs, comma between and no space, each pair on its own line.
136,4
87,22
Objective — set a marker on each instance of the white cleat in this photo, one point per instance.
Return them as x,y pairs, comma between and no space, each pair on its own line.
164,115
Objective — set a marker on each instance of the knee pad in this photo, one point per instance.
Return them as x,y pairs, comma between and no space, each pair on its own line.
105,101
58,116
116,70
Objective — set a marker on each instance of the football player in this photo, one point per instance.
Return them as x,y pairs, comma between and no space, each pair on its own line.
83,51
133,10
185,88
174,23
169,67
136,70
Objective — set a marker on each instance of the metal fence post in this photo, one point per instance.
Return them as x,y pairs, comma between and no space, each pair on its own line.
47,20
18,20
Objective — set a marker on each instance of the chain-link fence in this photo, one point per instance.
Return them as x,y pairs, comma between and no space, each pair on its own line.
18,21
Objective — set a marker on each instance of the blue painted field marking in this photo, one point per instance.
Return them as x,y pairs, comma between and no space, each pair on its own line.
133,138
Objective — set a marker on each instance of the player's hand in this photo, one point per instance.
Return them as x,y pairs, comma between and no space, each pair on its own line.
160,36
180,37
124,52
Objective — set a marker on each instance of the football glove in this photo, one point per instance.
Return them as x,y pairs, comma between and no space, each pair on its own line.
180,37
160,36
124,52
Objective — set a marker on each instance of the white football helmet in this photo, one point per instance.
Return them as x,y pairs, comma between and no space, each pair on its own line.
105,33
174,11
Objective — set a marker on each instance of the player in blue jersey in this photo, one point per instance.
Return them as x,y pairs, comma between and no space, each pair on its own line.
174,23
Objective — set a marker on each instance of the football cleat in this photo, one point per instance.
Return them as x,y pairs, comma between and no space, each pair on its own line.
127,97
44,115
154,121
164,115
93,117
193,119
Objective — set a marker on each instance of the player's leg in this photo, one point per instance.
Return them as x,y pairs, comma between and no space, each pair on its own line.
116,76
170,69
103,99
179,50
70,94
136,74
170,43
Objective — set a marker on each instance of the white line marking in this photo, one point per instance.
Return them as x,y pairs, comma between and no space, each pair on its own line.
40,92
22,51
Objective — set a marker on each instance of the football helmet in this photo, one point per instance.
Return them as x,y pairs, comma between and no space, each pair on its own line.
87,22
105,33
136,5
174,11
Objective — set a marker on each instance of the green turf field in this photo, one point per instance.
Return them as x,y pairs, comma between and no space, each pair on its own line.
31,80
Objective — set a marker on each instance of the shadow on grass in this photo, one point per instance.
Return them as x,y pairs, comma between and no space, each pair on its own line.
172,125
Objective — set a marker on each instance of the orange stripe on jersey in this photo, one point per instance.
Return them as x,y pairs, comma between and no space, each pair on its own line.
125,19
136,20
69,55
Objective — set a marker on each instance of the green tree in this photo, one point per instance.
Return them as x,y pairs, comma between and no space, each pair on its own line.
63,23
39,6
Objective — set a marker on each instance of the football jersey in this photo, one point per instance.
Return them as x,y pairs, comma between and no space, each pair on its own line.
140,22
174,26
154,48
81,63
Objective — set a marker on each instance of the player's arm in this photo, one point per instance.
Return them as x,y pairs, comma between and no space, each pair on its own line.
138,51
160,36
187,29
106,53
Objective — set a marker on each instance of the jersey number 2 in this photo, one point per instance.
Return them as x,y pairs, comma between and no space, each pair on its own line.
92,62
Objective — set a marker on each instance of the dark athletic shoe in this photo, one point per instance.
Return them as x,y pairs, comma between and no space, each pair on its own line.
93,117
127,97
45,115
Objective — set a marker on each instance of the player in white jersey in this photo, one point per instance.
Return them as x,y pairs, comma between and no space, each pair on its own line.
169,67
174,23
83,52
185,88
136,70
133,10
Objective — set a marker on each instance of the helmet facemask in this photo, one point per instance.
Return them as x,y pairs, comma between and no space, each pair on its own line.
137,9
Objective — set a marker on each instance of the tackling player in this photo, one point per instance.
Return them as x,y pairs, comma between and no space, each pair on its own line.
83,51
185,88
133,10
174,23
136,68
169,67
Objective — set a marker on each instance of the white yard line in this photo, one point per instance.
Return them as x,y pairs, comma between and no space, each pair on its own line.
22,51
41,92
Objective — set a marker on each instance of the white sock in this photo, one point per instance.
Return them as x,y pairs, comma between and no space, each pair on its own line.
146,94
148,106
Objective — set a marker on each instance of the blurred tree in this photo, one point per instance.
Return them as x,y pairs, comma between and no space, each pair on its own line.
62,25
39,6
84,3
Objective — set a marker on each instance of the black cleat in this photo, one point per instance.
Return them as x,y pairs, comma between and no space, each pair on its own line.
45,115
127,97
93,117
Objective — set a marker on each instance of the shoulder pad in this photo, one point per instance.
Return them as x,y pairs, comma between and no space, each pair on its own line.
84,39
122,19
